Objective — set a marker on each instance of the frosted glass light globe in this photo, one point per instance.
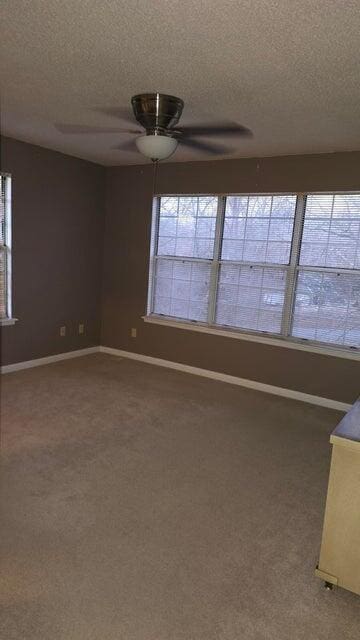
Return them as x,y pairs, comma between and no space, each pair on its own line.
156,147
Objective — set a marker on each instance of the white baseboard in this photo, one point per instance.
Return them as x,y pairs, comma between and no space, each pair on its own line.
214,375
224,377
38,362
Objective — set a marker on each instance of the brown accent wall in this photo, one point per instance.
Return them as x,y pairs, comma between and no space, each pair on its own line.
126,259
58,218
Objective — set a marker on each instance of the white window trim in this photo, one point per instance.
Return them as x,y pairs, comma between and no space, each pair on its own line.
7,322
7,248
287,341
277,341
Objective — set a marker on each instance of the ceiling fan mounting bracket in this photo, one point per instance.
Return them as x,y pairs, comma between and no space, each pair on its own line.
157,112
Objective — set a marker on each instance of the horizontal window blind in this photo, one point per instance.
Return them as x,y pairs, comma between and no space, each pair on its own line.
327,307
182,289
327,300
2,283
281,264
257,231
187,227
251,297
258,228
5,256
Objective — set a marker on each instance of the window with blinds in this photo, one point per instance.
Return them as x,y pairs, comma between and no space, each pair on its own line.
327,292
254,258
186,230
5,247
287,265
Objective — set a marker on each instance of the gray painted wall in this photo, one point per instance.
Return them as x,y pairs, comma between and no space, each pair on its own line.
58,220
59,270
126,261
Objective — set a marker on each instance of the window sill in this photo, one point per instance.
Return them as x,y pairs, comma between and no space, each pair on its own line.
250,337
6,322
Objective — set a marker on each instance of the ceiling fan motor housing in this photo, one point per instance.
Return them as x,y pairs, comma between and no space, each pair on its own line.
157,112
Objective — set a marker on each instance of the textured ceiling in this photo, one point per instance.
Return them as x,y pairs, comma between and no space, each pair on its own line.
287,69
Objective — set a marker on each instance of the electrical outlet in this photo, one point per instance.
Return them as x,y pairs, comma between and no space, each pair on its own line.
63,331
81,329
133,332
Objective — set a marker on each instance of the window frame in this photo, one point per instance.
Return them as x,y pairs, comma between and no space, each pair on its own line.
6,249
293,268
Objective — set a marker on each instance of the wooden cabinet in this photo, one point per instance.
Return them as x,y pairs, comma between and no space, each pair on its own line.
339,562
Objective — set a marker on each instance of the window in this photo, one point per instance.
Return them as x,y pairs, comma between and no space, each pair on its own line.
281,264
254,258
5,249
327,292
185,249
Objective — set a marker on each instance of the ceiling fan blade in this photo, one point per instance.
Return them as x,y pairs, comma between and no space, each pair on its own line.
79,129
128,145
219,129
117,112
207,147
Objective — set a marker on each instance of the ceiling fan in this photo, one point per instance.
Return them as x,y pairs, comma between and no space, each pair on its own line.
159,115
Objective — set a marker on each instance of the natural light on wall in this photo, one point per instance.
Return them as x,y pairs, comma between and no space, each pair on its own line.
284,265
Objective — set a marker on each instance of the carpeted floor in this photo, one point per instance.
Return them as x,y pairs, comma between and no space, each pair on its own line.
140,503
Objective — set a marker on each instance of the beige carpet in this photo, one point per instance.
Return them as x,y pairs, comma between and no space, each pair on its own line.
140,503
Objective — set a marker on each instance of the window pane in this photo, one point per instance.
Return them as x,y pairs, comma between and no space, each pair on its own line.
2,209
187,226
331,234
258,228
327,307
2,251
2,284
251,297
2,214
181,289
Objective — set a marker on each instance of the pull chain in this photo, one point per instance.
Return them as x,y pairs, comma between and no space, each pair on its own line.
155,163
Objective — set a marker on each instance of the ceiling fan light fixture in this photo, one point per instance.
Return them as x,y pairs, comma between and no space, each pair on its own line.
155,146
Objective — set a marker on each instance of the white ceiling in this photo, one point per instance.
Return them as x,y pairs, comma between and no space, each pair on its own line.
288,69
